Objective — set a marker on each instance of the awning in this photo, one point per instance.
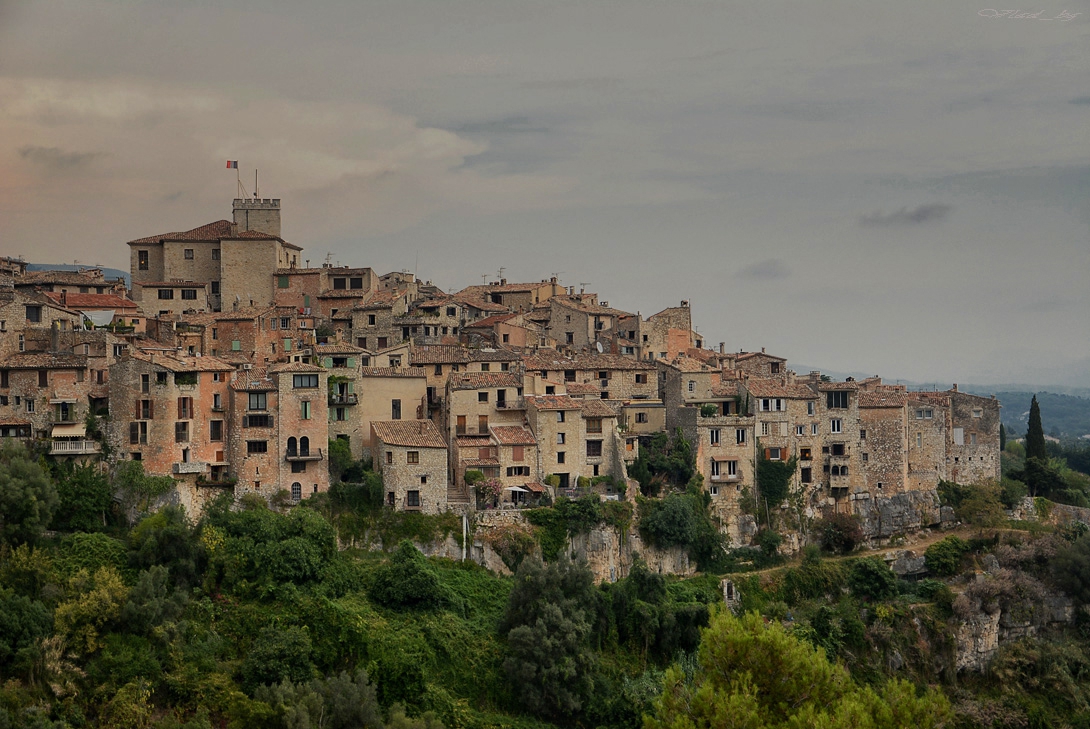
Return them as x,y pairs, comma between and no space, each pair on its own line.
62,400
74,430
517,488
99,318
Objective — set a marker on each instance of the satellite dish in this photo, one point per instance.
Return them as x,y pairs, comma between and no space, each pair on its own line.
599,346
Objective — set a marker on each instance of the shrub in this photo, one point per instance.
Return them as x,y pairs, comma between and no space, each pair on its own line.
871,578
838,532
408,581
944,557
769,541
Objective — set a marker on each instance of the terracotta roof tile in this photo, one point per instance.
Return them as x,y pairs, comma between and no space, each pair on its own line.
477,380
473,441
761,387
209,231
729,389
830,386
90,301
481,462
513,435
689,365
598,409
552,402
490,321
583,388
392,372
255,380
13,421
45,360
411,433
882,399
336,348
294,367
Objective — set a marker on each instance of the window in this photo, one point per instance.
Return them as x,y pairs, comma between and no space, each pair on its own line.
772,404
806,475
482,396
518,453
810,407
257,446
340,414
138,433
22,343
713,436
978,412
813,428
594,425
713,490
371,319
166,294
594,449
412,457
188,254
774,454
383,342
189,294
181,432
518,471
972,438
835,425
692,386
862,435
412,498
925,414
866,457
217,401
304,410
30,405
297,491
837,449
460,428
715,469
215,430
838,399
732,469
740,436
569,337
300,381
805,454
451,311
424,480
560,416
560,438
215,287
389,457
142,260
146,410
395,410
43,378
800,430
560,457
340,284
641,379
215,254
764,428
257,401
34,314
641,417
185,408
959,436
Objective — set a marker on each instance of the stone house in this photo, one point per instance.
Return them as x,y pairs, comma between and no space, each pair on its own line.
575,438
102,309
383,393
758,364
83,281
475,401
171,413
664,335
579,323
170,298
687,382
785,414
513,331
724,448
235,260
839,429
440,361
342,362
49,393
280,430
28,319
515,296
973,445
373,321
615,377
411,455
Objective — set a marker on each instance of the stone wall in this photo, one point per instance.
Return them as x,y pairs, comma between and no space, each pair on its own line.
884,516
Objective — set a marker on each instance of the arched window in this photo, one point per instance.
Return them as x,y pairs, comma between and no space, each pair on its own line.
836,470
843,470
291,446
296,491
304,446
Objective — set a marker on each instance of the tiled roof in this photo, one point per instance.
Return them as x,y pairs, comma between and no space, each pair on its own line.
882,399
728,389
598,409
552,402
45,360
169,360
337,348
74,278
829,386
298,271
438,354
513,435
689,365
514,288
170,284
750,355
490,321
550,359
582,388
210,231
476,380
246,312
254,235
392,372
342,294
761,387
255,380
90,301
295,367
473,441
535,487
593,309
412,433
480,462
13,421
480,304
379,300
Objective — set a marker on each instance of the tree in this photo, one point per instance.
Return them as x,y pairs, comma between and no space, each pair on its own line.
408,581
1035,435
550,661
28,496
278,654
872,579
84,496
944,557
838,532
1002,437
1071,569
981,506
137,488
751,676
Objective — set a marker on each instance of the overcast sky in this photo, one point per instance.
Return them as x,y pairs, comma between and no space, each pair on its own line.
895,188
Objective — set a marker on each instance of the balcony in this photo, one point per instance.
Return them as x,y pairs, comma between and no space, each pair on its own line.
190,467
73,447
304,455
344,399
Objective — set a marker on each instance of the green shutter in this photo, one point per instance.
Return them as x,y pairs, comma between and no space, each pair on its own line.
287,345
351,387
306,300
327,362
236,345
351,363
283,282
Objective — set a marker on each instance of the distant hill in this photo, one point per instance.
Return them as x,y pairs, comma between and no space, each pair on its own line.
1061,415
107,272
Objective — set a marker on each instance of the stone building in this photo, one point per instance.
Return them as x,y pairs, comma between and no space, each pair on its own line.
475,401
515,296
50,393
575,438
664,335
724,448
411,455
580,323
973,443
615,377
384,393
280,430
170,298
373,321
29,317
440,361
235,260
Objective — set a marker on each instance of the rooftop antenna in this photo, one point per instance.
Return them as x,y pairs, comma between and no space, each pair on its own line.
256,195
502,269
484,279
583,286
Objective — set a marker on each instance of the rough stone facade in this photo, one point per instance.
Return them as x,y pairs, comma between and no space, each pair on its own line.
411,455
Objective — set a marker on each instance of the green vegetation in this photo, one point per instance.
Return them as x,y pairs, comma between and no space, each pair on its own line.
662,463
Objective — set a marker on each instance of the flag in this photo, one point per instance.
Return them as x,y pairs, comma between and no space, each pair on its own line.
232,164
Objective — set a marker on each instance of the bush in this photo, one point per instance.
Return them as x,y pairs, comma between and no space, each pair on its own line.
769,541
944,557
408,581
278,654
872,579
838,532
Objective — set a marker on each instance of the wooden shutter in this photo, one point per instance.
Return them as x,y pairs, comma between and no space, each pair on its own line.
517,453
138,413
768,452
151,409
181,408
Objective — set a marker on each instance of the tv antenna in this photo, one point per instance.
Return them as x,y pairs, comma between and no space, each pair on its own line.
501,270
484,279
583,286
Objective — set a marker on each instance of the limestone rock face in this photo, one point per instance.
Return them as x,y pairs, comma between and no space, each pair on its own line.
978,640
884,516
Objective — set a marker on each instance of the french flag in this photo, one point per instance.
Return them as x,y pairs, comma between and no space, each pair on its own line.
232,164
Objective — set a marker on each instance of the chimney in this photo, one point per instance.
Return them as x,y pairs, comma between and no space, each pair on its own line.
955,387
722,348
762,350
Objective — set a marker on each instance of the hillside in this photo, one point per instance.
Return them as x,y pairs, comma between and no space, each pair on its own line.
1063,416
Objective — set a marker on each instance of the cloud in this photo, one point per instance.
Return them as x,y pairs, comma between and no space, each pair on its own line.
56,159
931,213
506,125
766,270
1082,100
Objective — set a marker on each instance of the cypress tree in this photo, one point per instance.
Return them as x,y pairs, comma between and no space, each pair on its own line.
1035,436
1002,438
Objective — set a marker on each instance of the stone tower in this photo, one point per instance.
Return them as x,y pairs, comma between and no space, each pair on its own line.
261,215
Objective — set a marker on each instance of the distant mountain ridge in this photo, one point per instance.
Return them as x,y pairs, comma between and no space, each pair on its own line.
107,272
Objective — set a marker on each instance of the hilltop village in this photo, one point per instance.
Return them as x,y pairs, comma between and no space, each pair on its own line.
231,364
